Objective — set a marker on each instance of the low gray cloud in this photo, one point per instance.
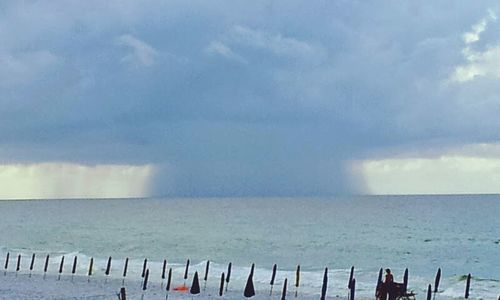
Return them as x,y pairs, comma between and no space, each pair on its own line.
242,98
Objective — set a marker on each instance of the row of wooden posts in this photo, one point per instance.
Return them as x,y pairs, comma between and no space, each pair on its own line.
249,290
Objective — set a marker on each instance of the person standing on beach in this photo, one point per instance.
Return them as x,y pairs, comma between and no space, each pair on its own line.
389,284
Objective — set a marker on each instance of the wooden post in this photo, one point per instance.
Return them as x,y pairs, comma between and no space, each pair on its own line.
249,288
91,266
228,277
73,270
436,281
146,277
186,271
221,287
163,270
61,266
32,264
18,266
353,288
46,266
297,281
123,295
325,285
6,266
108,269
283,293
125,266
273,276
467,286
195,286
205,278
169,279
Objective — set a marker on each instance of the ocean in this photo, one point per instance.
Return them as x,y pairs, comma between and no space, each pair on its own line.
459,234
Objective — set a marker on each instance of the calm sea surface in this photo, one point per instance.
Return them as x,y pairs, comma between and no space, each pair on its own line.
460,234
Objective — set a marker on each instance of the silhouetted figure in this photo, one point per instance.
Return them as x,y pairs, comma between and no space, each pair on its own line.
389,284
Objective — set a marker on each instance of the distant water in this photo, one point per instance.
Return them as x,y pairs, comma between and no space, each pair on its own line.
460,234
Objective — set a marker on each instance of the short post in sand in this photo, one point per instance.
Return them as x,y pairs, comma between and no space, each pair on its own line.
249,288
405,281
61,266
18,266
163,272
169,281
91,266
6,266
221,286
283,293
123,294
195,286
228,277
273,276
351,276
297,281
73,270
145,283
144,265
32,263
467,287
205,278
46,266
436,281
429,292
186,272
379,281
125,266
108,270
325,285
353,289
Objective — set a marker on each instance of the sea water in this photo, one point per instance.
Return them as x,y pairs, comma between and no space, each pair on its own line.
459,234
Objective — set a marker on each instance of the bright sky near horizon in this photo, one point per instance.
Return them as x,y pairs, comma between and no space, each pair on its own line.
228,98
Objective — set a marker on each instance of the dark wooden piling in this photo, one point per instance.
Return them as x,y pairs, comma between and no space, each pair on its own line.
91,266
169,279
46,266
353,289
405,281
351,276
144,265
221,286
123,294
228,277
108,267
195,286
325,285
125,266
205,278
6,265
283,293
163,269
18,266
436,280
249,287
429,292
467,286
32,263
186,271
379,281
61,266
73,270
297,281
145,283
273,277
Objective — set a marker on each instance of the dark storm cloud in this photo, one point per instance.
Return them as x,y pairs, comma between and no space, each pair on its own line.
239,98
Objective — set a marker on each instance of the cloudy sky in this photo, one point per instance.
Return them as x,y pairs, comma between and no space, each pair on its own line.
248,98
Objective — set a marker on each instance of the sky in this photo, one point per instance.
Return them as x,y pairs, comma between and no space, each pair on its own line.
248,98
